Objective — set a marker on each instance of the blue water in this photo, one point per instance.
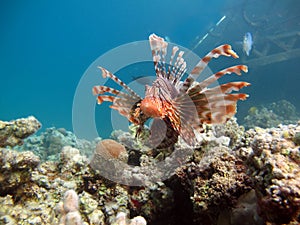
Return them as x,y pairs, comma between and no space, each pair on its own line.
46,46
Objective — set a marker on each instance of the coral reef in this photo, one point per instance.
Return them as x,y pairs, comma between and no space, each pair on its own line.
31,191
274,166
233,177
69,209
121,219
232,130
245,211
271,115
49,143
213,185
15,169
12,133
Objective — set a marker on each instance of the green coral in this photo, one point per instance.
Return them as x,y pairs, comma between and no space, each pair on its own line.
296,138
271,115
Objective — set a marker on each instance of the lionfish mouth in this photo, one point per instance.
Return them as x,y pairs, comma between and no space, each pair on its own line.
179,107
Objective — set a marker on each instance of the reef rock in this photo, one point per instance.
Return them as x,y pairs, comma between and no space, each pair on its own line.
69,209
12,133
271,115
15,169
232,176
274,164
121,219
211,186
49,143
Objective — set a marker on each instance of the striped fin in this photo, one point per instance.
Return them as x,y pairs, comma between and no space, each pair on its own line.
159,50
97,90
188,117
234,69
216,105
105,98
162,134
227,88
171,69
215,53
106,73
179,68
216,108
122,102
123,105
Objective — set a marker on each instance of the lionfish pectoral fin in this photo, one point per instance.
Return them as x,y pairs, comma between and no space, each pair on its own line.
188,118
158,130
224,50
219,108
177,65
162,134
122,101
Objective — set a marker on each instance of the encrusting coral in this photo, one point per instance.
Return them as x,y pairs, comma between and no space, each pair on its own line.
48,144
15,169
13,132
274,165
271,115
232,174
110,149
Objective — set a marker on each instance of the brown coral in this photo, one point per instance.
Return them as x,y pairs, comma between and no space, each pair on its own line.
12,133
275,168
109,148
214,184
15,169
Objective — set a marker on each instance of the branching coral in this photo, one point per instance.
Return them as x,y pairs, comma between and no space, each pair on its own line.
121,219
69,209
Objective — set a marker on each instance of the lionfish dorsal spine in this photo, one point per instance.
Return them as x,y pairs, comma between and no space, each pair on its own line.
159,50
180,68
176,69
171,69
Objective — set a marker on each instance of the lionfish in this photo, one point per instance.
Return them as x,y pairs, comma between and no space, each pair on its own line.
178,108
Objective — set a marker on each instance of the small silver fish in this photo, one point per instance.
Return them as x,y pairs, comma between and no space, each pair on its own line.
247,43
168,39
